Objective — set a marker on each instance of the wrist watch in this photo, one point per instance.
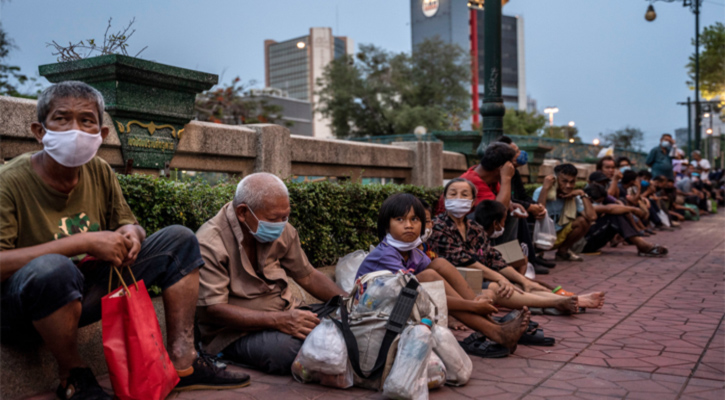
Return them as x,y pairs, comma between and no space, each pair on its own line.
585,196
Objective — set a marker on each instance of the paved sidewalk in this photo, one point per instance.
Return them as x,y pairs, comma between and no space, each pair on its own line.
660,335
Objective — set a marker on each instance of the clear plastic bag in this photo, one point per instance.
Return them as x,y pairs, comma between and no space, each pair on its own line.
346,269
408,379
436,372
544,233
324,350
305,375
458,364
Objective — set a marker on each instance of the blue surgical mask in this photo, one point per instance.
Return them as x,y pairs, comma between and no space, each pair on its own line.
266,231
522,159
666,144
644,184
625,168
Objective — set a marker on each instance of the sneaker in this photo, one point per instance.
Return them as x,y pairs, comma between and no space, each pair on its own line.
206,374
81,385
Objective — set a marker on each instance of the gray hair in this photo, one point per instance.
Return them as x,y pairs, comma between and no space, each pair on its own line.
69,89
254,189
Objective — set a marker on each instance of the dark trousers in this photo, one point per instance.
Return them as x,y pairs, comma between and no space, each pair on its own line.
271,352
604,230
49,282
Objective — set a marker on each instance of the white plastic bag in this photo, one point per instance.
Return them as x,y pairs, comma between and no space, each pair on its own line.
664,218
436,372
437,292
530,271
458,363
346,269
408,379
607,151
324,350
544,233
305,375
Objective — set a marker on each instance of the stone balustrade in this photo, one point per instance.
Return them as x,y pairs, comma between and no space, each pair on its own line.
244,149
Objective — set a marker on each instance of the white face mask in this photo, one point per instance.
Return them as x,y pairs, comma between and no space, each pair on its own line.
497,233
458,207
71,148
426,235
403,246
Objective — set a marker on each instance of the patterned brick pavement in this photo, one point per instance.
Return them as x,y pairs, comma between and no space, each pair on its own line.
660,335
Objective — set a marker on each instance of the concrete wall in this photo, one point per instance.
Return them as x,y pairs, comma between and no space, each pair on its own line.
243,149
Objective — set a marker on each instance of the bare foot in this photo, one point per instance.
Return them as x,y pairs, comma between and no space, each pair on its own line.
455,324
591,300
509,332
567,304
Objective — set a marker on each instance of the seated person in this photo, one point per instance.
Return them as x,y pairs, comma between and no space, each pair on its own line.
490,214
246,309
64,223
400,226
668,193
648,194
610,221
685,187
570,209
464,243
629,194
608,167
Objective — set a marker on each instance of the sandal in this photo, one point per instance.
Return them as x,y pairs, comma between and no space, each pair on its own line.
478,345
570,256
656,251
536,338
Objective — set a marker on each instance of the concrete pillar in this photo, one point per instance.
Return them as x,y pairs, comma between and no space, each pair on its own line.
273,150
427,163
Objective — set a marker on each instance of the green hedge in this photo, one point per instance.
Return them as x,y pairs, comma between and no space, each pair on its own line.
332,219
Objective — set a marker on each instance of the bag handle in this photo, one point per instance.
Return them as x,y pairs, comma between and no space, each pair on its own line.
396,323
120,278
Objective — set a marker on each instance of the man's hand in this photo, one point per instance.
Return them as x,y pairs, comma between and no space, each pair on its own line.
297,323
537,210
133,250
617,175
108,246
483,306
522,211
508,170
548,183
573,193
638,212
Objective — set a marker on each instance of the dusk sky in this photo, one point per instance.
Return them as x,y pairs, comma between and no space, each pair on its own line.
598,61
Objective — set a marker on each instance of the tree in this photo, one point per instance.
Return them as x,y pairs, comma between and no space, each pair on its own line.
712,62
231,105
382,93
10,75
564,132
522,122
628,138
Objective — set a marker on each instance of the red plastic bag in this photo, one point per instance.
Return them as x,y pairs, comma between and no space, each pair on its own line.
138,364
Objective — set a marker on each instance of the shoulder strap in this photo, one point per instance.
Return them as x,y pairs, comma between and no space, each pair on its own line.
396,323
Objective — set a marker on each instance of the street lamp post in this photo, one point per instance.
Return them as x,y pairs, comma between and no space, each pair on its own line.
551,111
695,7
492,109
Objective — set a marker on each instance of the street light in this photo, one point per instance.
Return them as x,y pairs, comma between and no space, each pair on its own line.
571,124
709,131
694,5
551,111
596,142
706,115
571,140
301,45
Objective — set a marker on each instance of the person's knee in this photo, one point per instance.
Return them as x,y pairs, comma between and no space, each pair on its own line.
282,356
51,272
180,235
429,275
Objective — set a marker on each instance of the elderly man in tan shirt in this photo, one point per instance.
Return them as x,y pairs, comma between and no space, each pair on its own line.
246,309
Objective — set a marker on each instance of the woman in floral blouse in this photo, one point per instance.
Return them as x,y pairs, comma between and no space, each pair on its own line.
464,243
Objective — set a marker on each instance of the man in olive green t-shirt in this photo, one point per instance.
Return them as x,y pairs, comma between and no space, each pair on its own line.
64,223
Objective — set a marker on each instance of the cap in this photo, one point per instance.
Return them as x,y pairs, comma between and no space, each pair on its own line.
598,176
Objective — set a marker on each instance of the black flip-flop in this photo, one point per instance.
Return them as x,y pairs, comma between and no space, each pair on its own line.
476,345
536,338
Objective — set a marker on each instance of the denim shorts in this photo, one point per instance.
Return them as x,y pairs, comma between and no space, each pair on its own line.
51,281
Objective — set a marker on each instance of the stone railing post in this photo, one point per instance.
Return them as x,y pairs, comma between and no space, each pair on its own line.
273,150
427,163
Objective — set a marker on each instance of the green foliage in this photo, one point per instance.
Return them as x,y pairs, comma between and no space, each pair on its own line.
382,93
523,122
231,105
332,219
10,75
712,62
564,132
628,138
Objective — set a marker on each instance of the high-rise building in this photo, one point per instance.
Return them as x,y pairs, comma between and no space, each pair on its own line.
294,111
295,65
450,20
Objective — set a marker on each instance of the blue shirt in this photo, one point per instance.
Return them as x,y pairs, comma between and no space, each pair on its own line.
555,207
660,162
386,257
